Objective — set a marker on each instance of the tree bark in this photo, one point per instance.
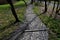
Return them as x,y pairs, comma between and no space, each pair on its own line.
13,10
45,6
52,9
32,1
56,9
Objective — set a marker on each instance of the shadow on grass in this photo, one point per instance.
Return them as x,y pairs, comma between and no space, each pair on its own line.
8,26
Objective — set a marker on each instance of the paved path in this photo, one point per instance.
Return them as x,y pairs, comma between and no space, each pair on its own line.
35,25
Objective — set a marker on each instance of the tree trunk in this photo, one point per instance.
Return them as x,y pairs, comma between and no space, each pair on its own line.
32,1
45,6
52,9
13,10
56,10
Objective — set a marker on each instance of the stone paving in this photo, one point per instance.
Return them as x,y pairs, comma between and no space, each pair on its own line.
35,25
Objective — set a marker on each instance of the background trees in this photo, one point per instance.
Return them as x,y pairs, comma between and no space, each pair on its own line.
55,9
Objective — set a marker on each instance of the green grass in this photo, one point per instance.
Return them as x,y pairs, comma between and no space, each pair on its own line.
7,6
6,33
6,18
52,24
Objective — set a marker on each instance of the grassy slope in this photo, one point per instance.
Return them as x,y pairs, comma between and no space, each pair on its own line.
51,23
7,6
7,18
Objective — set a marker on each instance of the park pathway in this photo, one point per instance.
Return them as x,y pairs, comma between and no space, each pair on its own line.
35,25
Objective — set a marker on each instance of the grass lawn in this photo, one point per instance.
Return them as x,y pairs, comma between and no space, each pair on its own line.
6,18
17,4
52,24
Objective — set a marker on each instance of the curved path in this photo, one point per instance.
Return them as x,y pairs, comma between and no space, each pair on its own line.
35,25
